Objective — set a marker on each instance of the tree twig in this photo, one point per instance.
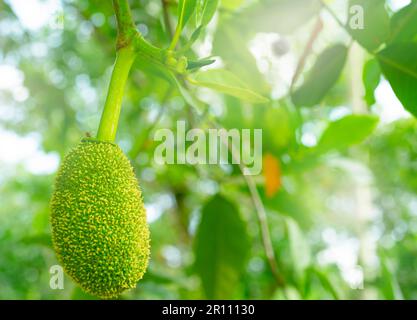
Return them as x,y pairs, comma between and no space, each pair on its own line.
318,27
261,215
333,14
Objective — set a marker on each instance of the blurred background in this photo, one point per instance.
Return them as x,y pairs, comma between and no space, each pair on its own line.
339,178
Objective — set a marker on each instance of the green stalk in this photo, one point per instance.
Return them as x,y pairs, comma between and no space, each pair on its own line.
178,30
110,117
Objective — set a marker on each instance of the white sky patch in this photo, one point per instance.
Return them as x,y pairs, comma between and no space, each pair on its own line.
34,14
161,204
26,150
308,139
11,79
152,212
172,256
388,106
398,4
342,251
278,70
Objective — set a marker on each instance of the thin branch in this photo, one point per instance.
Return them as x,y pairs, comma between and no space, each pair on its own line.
263,223
261,215
318,27
333,14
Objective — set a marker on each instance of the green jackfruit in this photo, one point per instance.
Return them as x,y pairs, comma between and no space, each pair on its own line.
98,219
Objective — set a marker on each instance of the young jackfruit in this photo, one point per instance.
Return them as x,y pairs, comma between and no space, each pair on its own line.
98,219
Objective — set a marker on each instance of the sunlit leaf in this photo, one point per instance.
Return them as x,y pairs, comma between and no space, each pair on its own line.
226,82
347,131
371,77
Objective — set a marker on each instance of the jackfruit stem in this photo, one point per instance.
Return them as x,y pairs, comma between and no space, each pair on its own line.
112,107
125,26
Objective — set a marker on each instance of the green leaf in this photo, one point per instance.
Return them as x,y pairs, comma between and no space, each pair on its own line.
328,284
195,35
278,16
38,239
299,248
376,28
205,11
391,288
221,249
371,77
79,294
399,65
226,82
342,133
277,127
232,46
190,99
185,10
231,4
322,77
289,292
404,24
199,64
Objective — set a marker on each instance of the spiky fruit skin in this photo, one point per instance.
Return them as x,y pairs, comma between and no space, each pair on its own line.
98,219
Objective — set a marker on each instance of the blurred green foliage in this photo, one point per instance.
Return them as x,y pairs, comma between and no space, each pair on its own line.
205,234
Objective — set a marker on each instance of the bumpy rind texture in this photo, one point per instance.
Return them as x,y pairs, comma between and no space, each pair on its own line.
98,219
